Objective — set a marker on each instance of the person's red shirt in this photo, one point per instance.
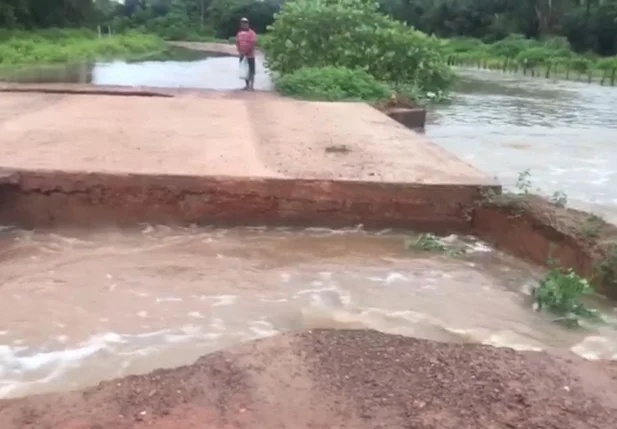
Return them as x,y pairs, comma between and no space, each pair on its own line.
245,42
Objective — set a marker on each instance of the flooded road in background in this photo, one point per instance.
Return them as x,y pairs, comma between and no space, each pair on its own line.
565,133
214,72
77,307
175,68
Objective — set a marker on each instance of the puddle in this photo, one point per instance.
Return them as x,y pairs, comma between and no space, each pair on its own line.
77,307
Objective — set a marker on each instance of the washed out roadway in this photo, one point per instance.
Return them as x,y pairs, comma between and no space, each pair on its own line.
220,133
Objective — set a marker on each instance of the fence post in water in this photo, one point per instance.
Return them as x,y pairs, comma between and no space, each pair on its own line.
98,28
613,76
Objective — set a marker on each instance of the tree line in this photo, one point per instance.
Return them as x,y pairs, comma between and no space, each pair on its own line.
588,25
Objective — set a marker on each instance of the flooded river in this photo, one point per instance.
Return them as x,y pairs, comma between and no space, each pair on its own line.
77,307
564,133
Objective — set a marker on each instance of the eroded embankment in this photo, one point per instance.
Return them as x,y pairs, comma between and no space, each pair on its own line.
344,379
31,199
527,226
533,228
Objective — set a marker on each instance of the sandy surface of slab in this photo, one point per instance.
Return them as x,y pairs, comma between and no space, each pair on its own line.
206,133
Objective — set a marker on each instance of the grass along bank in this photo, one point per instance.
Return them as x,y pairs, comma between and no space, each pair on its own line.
551,58
19,48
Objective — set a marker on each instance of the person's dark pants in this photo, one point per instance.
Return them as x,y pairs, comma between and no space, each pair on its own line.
251,61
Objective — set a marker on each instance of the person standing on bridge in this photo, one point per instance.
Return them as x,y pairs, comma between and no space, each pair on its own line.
246,40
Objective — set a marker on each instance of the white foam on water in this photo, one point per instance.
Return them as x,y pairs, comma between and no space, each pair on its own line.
223,300
262,329
15,362
169,299
479,246
279,300
449,238
395,277
595,347
510,340
196,315
487,337
21,368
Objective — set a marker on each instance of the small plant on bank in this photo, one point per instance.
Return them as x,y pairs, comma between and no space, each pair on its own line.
560,292
592,226
523,182
607,267
332,84
559,199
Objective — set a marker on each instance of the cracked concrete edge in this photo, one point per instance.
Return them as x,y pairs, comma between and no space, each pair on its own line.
35,198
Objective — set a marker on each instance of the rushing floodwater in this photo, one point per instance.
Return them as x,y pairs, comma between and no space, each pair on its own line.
565,133
77,307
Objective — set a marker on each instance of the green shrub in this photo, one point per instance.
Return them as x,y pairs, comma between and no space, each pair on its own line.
560,292
332,84
354,35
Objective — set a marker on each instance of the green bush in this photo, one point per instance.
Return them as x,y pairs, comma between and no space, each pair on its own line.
354,35
332,84
560,292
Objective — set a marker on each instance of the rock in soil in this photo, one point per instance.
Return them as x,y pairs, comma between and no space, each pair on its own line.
341,379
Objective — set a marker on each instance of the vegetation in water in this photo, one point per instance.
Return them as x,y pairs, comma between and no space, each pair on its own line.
548,58
560,292
431,243
353,34
54,46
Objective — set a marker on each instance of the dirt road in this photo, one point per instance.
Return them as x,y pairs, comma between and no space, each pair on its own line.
220,133
341,379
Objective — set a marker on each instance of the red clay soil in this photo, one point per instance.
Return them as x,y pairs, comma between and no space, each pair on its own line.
533,228
341,379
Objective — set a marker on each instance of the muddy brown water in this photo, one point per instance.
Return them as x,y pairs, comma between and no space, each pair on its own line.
77,307
564,133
